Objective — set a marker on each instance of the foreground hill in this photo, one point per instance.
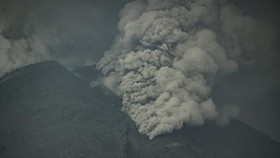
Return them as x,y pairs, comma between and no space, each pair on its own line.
47,112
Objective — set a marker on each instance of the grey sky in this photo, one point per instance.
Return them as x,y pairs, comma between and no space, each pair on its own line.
74,31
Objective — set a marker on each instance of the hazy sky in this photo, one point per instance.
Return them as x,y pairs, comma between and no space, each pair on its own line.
77,32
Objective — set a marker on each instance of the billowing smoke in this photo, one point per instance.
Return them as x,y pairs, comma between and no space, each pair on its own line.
20,52
168,55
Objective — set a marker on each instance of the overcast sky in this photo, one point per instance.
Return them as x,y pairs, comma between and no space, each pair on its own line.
77,32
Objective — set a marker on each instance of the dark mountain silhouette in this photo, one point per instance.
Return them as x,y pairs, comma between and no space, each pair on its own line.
48,112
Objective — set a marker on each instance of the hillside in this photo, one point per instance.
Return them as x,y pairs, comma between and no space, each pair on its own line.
48,112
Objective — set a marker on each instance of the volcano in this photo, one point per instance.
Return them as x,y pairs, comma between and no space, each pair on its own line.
47,111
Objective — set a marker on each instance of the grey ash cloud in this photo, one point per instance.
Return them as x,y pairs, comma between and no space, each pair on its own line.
169,54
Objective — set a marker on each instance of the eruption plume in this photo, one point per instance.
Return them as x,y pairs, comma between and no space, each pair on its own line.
168,54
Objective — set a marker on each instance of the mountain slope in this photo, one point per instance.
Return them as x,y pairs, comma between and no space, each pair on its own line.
46,111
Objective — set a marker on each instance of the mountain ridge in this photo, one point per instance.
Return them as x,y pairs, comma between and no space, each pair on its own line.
46,111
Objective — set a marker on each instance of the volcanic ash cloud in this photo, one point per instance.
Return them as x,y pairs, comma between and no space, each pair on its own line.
165,60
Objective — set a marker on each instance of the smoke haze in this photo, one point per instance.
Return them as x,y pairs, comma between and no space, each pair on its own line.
72,32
